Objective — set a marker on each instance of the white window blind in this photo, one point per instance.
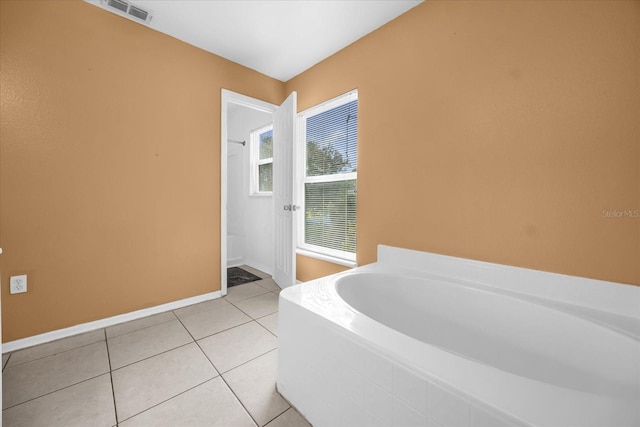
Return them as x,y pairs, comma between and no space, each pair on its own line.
330,177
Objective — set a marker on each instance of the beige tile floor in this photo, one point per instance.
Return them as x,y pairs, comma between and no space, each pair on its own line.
209,364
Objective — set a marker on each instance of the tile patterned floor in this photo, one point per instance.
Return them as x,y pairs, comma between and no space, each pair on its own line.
209,364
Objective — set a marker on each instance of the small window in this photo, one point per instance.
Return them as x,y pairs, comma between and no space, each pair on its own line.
329,165
262,161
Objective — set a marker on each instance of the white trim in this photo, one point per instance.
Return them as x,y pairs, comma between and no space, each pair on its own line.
331,253
346,259
339,100
336,177
226,97
255,162
300,163
327,258
104,323
235,262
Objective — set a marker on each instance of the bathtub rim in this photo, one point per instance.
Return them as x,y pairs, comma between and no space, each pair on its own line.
627,326
605,296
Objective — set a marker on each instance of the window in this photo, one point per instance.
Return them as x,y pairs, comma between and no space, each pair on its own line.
262,161
328,173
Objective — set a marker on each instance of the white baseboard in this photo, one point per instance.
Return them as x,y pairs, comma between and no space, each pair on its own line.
235,262
104,323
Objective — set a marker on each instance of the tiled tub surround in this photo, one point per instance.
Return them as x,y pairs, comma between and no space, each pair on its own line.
419,339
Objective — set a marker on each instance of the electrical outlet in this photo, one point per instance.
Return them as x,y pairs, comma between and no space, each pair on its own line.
18,284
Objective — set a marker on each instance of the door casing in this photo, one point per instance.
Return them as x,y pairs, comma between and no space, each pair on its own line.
229,97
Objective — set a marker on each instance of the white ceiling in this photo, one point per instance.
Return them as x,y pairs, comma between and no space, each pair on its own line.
278,38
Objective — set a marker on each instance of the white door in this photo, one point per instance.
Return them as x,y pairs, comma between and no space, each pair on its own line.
284,205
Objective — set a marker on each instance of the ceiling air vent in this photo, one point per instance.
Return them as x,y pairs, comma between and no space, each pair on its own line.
122,7
138,13
118,4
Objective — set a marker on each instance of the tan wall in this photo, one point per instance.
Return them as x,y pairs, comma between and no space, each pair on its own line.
109,173
310,268
498,131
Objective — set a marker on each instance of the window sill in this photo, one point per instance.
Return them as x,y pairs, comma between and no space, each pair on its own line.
261,195
328,258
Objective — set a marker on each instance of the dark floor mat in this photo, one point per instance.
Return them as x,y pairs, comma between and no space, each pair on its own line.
237,276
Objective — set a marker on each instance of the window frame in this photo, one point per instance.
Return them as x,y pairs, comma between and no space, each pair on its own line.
335,256
255,162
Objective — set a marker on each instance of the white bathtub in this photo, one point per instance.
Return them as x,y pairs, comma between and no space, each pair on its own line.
427,340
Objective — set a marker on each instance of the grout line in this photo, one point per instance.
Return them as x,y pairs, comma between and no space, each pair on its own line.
141,329
267,329
272,419
194,340
264,287
238,399
269,289
224,330
55,391
113,390
262,317
266,291
248,361
152,356
48,355
200,348
184,345
171,398
198,311
253,318
243,312
221,377
207,357
220,373
234,393
4,365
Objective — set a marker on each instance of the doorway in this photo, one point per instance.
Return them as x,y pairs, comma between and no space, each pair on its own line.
246,220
